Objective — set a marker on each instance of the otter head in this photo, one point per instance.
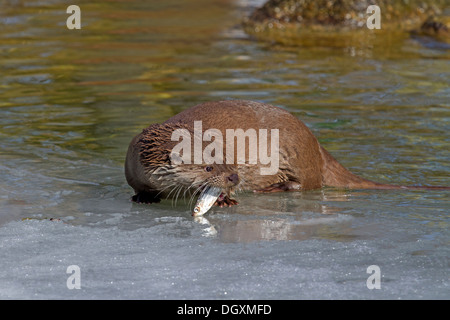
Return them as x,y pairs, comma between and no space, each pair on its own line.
167,171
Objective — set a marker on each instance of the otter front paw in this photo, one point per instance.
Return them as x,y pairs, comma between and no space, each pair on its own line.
225,201
145,197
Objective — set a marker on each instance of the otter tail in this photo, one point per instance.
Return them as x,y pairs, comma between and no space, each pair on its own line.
335,175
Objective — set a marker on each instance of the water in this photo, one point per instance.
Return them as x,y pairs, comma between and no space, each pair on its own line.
71,100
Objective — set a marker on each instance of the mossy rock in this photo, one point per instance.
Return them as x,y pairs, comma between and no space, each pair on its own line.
287,21
345,13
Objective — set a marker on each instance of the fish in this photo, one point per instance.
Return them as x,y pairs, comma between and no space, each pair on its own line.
206,200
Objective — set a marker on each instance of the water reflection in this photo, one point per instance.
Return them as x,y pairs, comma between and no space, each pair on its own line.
298,216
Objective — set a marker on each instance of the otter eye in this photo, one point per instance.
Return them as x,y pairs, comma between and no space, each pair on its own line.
208,169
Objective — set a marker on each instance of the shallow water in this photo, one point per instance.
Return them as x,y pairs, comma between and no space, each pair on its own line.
71,100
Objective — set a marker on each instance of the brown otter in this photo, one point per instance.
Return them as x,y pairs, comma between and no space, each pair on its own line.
303,164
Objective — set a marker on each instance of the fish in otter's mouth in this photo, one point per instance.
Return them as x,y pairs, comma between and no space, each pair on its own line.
206,200
216,191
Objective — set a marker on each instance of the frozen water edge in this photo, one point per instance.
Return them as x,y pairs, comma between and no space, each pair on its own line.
155,263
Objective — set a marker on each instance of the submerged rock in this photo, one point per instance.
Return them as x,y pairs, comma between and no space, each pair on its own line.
437,27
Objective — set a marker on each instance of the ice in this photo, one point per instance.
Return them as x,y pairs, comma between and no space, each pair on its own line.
173,259
306,245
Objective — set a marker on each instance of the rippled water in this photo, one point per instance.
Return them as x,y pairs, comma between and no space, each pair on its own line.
71,100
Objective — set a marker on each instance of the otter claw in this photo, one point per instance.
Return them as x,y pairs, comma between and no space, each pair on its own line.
225,202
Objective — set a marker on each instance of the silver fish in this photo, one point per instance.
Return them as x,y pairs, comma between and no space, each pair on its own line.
206,200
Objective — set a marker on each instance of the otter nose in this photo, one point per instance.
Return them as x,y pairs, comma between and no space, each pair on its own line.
233,178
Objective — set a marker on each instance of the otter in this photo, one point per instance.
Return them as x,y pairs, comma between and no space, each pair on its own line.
303,164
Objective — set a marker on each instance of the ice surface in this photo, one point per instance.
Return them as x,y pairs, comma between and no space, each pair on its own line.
174,258
311,245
